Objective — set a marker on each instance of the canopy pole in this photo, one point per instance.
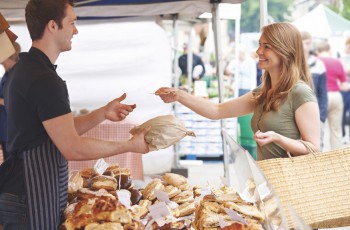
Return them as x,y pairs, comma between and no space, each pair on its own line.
174,71
263,13
219,74
190,58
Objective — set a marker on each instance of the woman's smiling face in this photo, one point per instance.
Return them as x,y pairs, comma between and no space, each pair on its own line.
268,58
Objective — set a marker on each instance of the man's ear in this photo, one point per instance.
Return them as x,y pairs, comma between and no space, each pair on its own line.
52,25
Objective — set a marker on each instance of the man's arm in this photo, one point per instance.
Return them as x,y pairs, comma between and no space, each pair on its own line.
113,111
62,131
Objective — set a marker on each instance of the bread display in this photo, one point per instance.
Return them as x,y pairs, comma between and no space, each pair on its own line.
97,206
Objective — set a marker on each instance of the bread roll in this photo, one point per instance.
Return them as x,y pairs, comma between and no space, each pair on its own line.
174,179
104,226
87,173
148,192
104,182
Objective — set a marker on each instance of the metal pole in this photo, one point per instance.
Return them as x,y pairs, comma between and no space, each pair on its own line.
190,58
263,13
219,74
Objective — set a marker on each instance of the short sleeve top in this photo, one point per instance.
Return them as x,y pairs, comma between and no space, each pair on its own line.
281,121
34,93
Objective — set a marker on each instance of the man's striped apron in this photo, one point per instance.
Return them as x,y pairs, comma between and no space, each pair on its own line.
46,184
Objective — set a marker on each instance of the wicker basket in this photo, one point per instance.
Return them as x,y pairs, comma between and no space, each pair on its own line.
316,185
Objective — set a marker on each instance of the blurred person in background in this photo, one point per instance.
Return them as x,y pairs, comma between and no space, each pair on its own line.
318,73
198,68
7,64
246,79
336,82
286,116
345,59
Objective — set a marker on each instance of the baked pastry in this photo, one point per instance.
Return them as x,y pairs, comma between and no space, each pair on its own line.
87,173
245,209
104,182
197,191
172,191
115,170
184,196
174,179
144,204
211,211
184,209
106,209
85,193
124,181
175,225
234,226
104,226
75,182
148,192
136,196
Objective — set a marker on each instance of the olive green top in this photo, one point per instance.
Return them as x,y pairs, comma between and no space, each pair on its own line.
281,121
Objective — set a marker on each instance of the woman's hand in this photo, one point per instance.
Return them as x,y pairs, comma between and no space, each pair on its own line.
264,138
116,111
167,94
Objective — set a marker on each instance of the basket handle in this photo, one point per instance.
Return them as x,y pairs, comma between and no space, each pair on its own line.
310,148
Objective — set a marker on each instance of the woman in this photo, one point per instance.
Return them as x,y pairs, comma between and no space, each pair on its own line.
284,105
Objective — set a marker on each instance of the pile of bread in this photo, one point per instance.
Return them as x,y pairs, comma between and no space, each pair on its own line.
212,212
94,204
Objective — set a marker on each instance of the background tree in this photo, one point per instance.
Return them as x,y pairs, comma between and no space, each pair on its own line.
346,9
278,11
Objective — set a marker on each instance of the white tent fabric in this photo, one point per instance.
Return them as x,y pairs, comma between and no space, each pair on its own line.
322,22
185,9
109,58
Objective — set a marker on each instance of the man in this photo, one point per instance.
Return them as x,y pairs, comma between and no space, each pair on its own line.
318,72
336,83
198,69
7,64
345,59
42,132
247,71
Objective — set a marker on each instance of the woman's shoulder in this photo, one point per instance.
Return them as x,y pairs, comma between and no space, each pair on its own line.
302,93
301,87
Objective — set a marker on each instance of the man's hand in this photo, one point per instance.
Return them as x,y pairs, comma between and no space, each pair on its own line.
116,111
138,141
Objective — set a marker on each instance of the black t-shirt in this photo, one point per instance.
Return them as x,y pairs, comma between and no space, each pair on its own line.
34,93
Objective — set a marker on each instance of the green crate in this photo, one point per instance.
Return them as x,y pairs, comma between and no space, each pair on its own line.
244,126
246,140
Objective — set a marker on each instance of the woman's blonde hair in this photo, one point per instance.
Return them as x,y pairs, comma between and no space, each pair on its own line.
285,40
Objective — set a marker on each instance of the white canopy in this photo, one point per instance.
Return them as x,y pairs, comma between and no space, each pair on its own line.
322,22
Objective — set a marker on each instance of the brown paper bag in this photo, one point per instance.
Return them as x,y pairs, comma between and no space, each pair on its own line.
165,131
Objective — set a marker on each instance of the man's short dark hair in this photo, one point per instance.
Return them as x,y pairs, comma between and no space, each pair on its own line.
39,12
